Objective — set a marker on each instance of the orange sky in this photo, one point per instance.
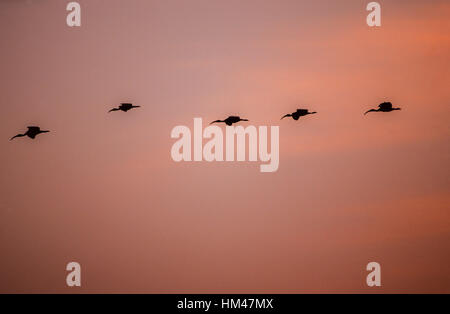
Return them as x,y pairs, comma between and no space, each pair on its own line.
104,191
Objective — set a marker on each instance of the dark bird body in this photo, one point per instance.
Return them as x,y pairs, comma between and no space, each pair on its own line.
384,107
32,132
230,120
299,113
124,107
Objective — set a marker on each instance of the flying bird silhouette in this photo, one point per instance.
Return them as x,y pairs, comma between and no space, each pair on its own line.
299,113
384,107
230,120
124,107
31,132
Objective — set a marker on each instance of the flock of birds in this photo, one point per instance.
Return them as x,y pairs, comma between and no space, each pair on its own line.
33,131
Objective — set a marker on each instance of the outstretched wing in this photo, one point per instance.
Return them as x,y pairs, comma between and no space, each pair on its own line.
126,105
385,105
18,135
232,119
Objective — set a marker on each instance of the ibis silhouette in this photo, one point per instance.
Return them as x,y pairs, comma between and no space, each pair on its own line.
31,132
124,107
230,120
383,107
299,113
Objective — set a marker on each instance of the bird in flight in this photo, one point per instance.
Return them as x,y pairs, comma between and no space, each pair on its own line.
31,132
384,107
299,113
230,120
124,107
